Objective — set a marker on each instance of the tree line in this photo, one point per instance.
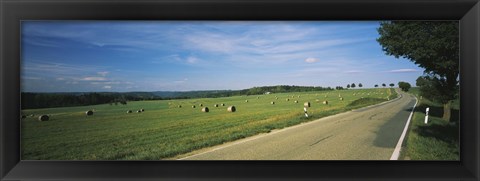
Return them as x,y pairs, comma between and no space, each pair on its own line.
32,100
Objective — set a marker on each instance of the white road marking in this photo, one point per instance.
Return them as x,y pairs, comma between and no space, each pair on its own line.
396,152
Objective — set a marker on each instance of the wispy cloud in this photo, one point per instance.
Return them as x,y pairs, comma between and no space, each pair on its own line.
311,60
403,70
103,73
93,78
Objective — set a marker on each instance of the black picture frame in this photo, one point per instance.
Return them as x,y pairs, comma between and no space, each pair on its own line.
14,11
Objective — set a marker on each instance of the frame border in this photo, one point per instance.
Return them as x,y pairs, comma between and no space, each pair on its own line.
13,11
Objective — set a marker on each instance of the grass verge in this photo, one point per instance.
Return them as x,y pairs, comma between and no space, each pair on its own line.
437,140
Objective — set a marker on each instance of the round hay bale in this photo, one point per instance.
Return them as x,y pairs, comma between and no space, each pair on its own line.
139,111
325,102
298,96
129,111
201,105
32,115
296,101
205,109
89,113
272,102
216,105
246,100
288,99
276,98
258,97
179,106
193,106
306,104
341,98
43,118
318,100
143,110
231,109
339,95
326,95
222,104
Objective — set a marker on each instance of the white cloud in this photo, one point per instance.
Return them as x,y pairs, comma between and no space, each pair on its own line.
103,73
94,78
107,87
353,71
311,60
192,60
403,70
60,78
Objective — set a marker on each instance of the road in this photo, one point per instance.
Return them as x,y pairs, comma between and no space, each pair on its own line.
369,133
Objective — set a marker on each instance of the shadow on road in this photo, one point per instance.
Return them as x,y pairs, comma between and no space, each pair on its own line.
389,133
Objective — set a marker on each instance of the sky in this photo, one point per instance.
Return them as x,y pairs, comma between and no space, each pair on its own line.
125,56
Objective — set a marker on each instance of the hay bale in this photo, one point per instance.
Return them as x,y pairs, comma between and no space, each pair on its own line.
216,105
306,104
143,110
246,100
179,106
258,97
222,104
339,95
276,98
231,109
43,118
341,98
205,109
326,95
129,111
89,113
201,105
296,101
298,96
193,106
325,102
139,111
272,102
318,100
32,115
288,99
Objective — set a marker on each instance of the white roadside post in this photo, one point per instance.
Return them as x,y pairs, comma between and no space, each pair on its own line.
305,110
426,115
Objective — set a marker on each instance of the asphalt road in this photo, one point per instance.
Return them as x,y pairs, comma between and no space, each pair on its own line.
369,133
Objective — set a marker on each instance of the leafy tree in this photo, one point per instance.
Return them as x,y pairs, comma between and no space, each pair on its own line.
405,86
432,45
392,84
353,85
348,86
384,85
360,85
376,85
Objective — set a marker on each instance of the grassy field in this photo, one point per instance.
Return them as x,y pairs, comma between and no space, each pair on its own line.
437,140
165,130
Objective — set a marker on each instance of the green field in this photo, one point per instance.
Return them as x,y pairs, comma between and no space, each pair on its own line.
164,130
437,140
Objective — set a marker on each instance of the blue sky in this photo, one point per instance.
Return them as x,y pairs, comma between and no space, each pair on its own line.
123,56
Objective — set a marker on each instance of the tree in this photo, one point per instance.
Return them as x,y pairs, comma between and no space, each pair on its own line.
432,45
405,86
353,85
376,85
360,85
348,86
384,84
392,84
